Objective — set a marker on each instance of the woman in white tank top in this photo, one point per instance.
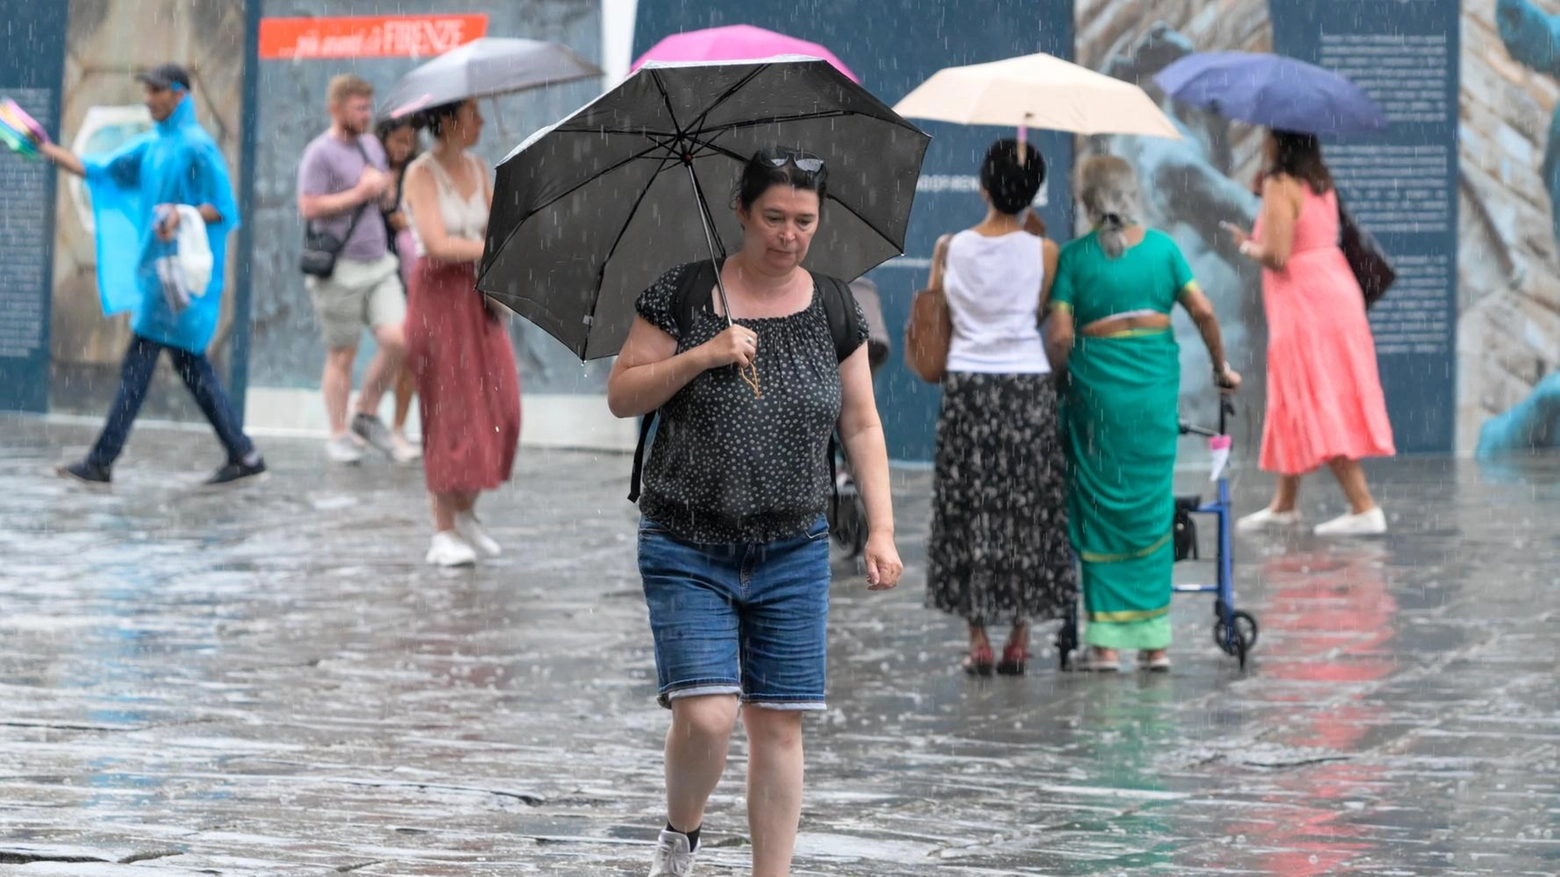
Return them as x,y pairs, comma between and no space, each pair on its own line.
468,390
999,552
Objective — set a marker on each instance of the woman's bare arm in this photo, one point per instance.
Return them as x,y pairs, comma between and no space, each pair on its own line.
1200,309
861,432
1059,338
1280,210
1050,255
649,371
422,197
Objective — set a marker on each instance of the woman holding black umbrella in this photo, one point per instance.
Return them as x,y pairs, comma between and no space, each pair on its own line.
733,547
468,390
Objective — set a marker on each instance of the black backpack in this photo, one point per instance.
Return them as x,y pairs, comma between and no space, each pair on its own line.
698,280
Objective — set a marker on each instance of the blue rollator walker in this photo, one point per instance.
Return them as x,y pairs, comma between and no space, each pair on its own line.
1234,632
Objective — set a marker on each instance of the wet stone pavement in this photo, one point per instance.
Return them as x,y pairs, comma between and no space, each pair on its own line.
268,681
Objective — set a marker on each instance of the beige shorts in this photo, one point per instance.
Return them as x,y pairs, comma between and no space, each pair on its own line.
358,294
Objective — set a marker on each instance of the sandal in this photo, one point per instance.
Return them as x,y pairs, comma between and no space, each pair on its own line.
1013,658
1093,663
1160,664
978,662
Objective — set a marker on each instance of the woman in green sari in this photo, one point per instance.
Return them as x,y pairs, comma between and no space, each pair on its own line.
1118,285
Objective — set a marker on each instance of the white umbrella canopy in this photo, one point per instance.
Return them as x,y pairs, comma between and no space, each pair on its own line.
1037,91
486,67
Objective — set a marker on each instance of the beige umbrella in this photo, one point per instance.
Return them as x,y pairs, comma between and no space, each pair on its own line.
1037,91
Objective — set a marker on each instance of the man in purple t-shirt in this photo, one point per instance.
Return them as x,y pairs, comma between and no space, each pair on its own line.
343,185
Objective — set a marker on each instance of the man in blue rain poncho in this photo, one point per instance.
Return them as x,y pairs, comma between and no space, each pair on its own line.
141,194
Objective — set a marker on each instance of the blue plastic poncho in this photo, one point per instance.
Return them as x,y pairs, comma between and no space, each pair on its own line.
176,163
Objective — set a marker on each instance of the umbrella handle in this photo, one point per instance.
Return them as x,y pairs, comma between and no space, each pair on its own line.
750,374
709,236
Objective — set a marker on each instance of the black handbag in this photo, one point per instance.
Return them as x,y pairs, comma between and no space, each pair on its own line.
1371,265
1183,528
320,247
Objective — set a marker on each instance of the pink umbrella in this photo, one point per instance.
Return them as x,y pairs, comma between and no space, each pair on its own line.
739,42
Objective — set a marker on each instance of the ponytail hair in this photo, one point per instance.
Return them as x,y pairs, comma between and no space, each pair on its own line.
1108,190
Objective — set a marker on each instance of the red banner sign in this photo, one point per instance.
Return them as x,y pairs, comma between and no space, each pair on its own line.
367,36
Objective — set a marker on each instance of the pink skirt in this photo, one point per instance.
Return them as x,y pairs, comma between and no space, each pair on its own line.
1324,398
468,390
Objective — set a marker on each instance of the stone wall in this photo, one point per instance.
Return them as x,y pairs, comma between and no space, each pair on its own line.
1509,276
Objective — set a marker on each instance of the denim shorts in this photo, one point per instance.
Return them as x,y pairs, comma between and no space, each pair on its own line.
739,618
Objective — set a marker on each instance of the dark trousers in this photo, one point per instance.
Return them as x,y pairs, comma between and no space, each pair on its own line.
135,377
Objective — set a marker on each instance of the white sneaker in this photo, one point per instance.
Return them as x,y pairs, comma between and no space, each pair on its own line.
344,450
449,549
402,450
1267,519
469,527
1371,523
673,858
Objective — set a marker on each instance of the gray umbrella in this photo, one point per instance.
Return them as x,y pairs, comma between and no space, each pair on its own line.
483,68
588,213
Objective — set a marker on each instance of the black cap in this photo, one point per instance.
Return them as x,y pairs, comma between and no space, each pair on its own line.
166,76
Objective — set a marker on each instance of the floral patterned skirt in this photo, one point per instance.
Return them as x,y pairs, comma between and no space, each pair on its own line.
999,550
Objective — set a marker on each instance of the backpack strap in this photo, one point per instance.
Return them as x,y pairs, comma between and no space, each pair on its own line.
646,426
694,290
697,279
839,306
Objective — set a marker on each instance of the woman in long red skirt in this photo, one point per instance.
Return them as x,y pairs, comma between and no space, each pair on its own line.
467,385
1325,406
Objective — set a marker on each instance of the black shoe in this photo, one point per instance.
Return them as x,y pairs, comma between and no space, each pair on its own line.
236,472
86,473
372,430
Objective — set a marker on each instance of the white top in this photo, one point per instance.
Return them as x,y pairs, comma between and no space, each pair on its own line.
993,287
463,217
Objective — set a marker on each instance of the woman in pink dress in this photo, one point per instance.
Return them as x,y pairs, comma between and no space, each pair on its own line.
1324,400
467,387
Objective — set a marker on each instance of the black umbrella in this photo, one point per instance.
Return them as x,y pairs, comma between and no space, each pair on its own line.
588,213
485,67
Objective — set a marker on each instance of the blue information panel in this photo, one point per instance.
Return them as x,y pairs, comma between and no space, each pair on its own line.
1400,184
893,46
32,79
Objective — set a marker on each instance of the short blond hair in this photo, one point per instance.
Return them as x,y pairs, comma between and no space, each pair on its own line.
348,85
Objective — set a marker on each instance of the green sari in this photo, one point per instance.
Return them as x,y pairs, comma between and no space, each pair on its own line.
1121,426
1121,433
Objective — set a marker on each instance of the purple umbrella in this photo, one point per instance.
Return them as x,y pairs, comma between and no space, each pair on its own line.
1272,91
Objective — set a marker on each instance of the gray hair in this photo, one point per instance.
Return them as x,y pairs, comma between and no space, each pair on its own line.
1108,190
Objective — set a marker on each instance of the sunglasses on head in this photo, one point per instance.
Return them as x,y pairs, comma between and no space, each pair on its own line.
804,162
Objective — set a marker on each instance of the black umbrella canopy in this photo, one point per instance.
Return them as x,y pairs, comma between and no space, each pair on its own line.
588,213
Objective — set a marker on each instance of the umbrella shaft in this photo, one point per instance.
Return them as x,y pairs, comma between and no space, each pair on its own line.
709,238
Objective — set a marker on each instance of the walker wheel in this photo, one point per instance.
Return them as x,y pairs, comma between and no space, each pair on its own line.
1244,640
